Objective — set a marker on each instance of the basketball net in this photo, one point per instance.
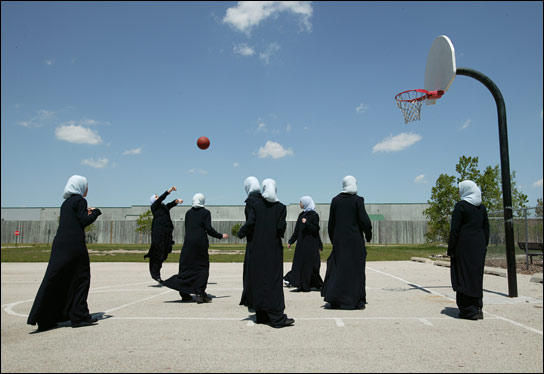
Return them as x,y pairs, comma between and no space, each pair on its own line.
410,102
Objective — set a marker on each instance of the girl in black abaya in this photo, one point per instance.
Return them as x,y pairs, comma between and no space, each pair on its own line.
467,247
253,191
264,290
304,272
161,233
194,262
349,224
62,295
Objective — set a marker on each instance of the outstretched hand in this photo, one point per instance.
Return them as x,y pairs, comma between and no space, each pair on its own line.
179,201
173,188
225,236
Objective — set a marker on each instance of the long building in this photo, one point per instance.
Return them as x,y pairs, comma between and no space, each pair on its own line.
392,223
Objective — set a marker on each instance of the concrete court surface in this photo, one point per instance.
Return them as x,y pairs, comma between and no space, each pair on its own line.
410,325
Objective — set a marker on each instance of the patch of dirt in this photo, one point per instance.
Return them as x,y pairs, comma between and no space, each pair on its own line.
521,266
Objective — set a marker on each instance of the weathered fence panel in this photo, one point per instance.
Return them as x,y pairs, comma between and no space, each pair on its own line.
124,232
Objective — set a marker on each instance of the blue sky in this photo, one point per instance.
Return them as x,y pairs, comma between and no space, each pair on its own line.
303,93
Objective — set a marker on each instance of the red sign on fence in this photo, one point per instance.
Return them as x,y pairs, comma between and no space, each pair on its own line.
17,233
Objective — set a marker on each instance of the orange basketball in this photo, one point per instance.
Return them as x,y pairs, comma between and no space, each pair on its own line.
203,142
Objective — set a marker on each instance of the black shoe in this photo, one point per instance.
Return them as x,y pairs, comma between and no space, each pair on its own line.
287,322
157,278
480,314
85,322
332,306
473,317
46,326
207,298
200,299
185,297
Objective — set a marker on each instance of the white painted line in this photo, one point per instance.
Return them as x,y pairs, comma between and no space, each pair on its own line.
8,308
515,323
137,301
339,322
408,282
425,321
449,298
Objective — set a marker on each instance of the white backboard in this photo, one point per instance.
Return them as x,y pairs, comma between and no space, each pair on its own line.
440,69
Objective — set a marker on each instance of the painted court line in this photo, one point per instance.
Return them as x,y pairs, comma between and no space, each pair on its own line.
449,298
137,301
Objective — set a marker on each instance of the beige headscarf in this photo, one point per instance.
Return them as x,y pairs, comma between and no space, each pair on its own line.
77,185
349,185
470,192
270,190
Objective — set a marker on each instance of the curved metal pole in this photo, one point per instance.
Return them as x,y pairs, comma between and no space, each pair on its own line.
505,174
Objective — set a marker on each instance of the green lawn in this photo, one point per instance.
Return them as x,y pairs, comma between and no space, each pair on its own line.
218,252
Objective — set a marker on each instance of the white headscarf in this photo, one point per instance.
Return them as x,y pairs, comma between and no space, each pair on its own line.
307,203
470,192
77,185
270,190
349,185
152,199
198,200
251,184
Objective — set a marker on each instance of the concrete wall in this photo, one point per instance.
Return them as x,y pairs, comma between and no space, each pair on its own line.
392,223
124,232
389,212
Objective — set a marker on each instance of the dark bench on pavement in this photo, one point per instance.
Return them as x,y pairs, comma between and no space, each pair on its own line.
531,249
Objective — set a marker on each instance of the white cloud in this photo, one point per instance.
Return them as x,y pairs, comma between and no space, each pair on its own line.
420,179
288,128
135,151
37,120
46,114
466,124
77,134
361,108
261,127
92,122
235,165
243,49
248,14
274,150
98,164
197,171
538,183
397,142
269,52
49,62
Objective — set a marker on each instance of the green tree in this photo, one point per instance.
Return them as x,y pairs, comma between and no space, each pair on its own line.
144,223
90,233
539,207
443,197
445,194
235,229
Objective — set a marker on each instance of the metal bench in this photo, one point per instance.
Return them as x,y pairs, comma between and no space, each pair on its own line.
531,249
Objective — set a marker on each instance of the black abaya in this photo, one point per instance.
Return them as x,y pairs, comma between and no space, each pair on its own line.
250,204
349,224
264,285
194,262
62,295
304,272
161,235
467,246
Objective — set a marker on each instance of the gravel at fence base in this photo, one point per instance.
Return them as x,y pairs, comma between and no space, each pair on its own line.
521,265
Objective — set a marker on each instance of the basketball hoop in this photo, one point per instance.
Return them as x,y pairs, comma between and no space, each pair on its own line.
410,102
